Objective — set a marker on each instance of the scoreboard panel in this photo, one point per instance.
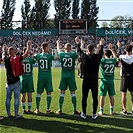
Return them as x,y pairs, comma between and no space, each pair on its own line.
72,24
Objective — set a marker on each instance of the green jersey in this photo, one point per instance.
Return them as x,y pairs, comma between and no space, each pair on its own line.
28,66
44,64
107,68
68,64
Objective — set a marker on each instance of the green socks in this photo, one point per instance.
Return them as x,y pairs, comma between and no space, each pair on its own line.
38,99
74,102
29,105
101,110
23,105
61,100
111,109
48,101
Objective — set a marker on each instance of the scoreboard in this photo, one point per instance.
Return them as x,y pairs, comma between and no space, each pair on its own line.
72,25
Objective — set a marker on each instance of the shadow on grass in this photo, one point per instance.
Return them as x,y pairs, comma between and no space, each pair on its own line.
71,124
118,120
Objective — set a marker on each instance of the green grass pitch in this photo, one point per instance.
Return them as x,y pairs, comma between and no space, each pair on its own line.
66,123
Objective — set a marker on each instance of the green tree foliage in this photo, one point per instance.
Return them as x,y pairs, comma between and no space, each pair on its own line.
7,14
75,9
25,13
39,14
32,18
63,10
50,23
121,22
89,11
104,25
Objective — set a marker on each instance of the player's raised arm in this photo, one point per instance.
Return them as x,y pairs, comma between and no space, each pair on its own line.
112,50
132,47
82,44
78,42
3,56
4,53
27,50
58,45
131,44
119,45
100,47
101,42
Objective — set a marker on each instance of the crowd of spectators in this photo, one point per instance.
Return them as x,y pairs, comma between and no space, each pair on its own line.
19,42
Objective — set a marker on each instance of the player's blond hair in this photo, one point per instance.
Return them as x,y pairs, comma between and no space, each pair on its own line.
68,46
10,49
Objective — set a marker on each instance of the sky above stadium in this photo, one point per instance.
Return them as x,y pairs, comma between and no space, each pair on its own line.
107,8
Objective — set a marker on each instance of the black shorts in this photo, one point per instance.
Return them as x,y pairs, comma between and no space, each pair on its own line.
126,84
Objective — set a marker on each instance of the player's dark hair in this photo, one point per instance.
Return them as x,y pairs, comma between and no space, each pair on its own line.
129,48
90,47
107,53
44,45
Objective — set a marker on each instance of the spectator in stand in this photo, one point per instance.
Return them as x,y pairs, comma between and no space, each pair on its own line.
18,43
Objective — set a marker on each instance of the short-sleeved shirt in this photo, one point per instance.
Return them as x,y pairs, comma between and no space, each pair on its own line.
127,65
68,64
28,66
107,68
90,63
44,64
11,79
